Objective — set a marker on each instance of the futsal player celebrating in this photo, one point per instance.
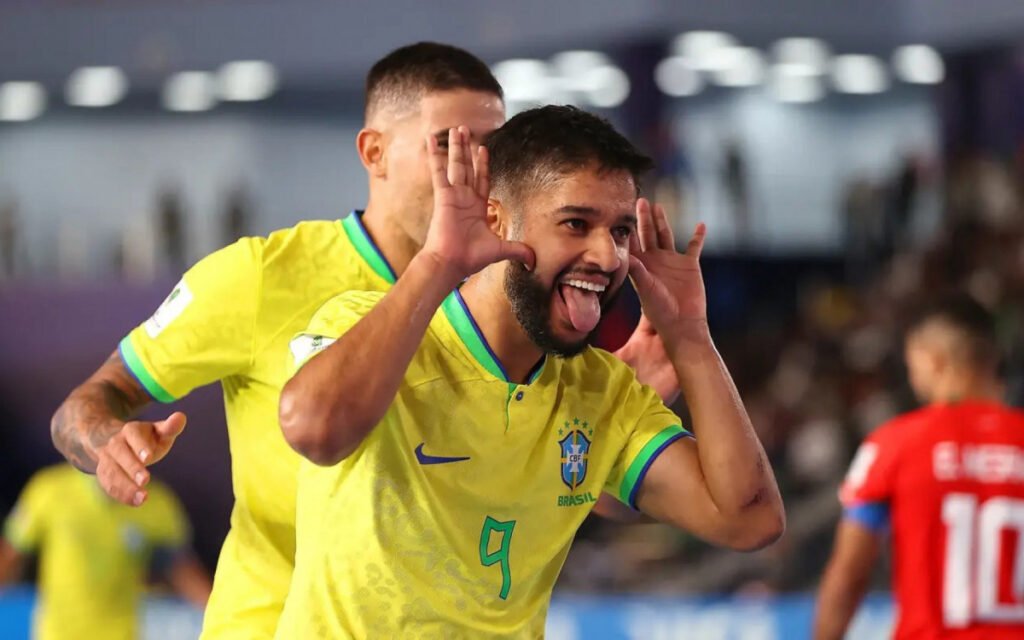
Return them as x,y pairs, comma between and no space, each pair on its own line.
231,317
946,483
460,425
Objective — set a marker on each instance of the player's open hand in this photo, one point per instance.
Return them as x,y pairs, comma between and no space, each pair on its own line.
645,353
121,463
669,283
459,234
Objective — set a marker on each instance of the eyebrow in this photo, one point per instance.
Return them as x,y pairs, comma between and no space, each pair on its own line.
591,212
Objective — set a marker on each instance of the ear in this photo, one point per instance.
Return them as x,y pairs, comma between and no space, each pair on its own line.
370,145
497,218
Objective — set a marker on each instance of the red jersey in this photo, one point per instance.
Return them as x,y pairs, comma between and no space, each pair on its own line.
951,478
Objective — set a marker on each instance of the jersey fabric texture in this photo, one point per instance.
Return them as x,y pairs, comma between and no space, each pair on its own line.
230,319
454,516
948,480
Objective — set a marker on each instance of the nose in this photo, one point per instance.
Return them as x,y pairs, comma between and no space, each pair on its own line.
603,252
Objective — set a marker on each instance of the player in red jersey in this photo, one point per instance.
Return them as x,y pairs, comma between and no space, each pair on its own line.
947,482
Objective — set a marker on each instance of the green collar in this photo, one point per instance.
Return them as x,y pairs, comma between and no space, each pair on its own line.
364,244
465,326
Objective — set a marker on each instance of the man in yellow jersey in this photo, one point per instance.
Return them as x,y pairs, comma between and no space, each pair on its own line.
232,315
96,554
461,432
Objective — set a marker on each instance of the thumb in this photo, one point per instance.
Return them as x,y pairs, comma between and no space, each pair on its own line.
642,279
512,250
172,426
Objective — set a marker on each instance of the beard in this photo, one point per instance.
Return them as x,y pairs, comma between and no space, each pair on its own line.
531,303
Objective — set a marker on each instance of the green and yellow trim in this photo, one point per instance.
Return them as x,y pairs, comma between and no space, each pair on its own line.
643,460
134,364
466,328
367,248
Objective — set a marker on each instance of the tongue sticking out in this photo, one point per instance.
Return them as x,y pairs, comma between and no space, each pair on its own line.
584,308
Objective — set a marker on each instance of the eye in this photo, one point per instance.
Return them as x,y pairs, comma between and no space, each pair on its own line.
622,233
575,224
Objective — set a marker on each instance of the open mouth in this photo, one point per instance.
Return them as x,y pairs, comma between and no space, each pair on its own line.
581,297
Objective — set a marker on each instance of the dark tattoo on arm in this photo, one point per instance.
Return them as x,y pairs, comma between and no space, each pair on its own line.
95,411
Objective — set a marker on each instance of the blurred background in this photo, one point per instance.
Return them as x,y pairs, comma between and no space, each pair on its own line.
849,158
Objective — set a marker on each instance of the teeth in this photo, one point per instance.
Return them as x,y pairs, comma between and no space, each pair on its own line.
587,286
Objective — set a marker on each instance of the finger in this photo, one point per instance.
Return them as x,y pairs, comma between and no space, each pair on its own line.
482,168
172,426
645,226
512,250
641,277
459,162
696,244
142,440
634,244
125,458
116,483
666,239
438,161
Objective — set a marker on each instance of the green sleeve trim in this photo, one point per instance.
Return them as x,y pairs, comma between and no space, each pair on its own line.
134,363
642,462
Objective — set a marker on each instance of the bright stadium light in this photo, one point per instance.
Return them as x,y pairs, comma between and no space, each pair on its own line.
572,65
246,81
190,91
794,86
738,67
861,74
524,79
606,86
21,101
701,47
676,77
809,56
918,64
95,87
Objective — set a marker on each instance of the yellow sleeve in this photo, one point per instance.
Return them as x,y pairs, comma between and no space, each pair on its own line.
165,522
656,428
25,525
334,318
203,331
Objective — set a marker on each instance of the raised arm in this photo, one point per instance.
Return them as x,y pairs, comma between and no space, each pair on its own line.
720,485
340,395
94,431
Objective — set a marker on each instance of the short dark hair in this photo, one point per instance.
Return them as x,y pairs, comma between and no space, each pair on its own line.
552,141
407,73
964,314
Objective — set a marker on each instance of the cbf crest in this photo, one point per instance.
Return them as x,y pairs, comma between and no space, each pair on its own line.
575,452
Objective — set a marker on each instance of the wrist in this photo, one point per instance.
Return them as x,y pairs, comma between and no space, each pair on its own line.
441,270
687,338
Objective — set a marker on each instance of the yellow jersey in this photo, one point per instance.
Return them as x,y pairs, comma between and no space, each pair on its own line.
453,517
94,553
231,319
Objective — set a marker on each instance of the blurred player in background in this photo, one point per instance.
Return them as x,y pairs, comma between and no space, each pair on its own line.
232,315
946,482
474,426
96,555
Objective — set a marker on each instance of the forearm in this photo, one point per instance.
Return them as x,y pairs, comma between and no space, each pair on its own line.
735,467
93,412
190,580
10,563
336,399
838,600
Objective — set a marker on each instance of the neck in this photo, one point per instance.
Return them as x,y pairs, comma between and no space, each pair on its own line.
484,294
966,388
397,246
